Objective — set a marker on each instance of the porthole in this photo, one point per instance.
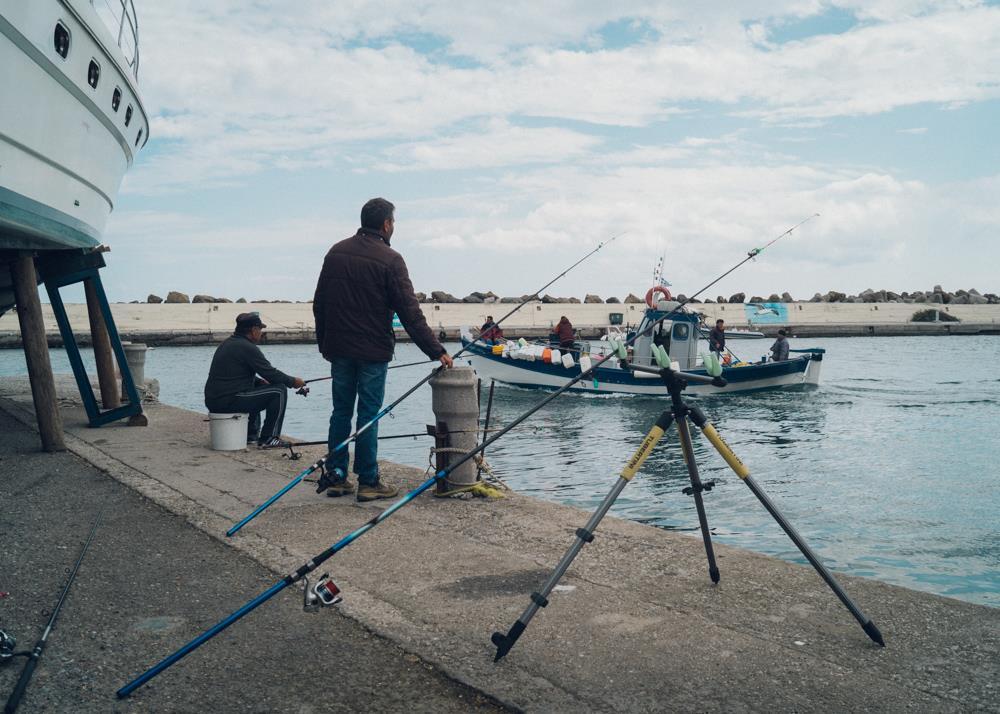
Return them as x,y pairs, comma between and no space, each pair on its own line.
93,74
128,114
138,138
116,99
60,40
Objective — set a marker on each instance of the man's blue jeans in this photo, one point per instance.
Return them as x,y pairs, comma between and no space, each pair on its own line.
355,379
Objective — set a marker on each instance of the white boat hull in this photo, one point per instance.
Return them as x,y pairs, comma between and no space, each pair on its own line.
63,148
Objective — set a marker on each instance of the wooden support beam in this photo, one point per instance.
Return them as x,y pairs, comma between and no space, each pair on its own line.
36,352
102,348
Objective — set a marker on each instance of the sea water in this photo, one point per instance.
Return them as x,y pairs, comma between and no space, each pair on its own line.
889,469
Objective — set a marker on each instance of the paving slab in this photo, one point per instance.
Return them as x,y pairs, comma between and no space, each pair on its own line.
635,626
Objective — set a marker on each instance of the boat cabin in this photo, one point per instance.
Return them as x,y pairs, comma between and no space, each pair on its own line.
678,335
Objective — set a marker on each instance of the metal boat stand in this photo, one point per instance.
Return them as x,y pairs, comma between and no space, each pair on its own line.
679,413
59,269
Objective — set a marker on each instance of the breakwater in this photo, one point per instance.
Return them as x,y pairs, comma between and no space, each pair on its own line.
207,323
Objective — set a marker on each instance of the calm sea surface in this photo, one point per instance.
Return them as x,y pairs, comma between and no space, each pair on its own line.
889,469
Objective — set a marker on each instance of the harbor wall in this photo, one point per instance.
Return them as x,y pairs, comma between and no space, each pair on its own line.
204,323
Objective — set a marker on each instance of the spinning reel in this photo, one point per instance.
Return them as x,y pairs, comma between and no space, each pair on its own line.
324,593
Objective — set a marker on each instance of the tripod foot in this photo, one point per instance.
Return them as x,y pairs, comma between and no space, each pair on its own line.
872,631
505,642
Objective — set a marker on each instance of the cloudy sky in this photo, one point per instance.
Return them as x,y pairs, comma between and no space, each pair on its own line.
513,140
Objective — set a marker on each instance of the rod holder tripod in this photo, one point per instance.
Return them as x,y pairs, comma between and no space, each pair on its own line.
680,413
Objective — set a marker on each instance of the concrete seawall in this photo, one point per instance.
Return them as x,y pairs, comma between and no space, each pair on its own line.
166,324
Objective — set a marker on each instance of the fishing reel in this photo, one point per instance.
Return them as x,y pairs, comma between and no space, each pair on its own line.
324,593
7,644
304,391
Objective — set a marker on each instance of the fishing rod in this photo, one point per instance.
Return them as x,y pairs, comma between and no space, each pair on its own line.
36,653
304,390
325,481
304,570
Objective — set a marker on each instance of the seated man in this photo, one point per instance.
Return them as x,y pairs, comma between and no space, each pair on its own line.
490,332
232,386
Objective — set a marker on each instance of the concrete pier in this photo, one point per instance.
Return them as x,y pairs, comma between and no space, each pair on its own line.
635,626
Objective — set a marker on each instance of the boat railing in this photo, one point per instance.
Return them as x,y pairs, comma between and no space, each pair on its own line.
120,17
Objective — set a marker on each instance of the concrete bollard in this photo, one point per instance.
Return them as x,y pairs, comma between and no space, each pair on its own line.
135,357
456,404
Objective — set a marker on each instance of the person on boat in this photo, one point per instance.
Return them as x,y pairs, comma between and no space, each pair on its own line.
233,385
717,338
490,332
363,281
564,331
779,350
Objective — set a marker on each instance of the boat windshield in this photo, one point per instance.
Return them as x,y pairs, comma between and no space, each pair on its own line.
119,16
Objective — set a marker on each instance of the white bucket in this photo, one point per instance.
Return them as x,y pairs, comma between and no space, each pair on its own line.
567,361
228,431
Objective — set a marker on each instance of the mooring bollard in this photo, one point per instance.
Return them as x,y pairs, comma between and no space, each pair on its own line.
135,359
453,398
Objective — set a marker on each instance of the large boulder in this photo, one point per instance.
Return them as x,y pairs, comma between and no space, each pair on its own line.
592,299
175,297
721,300
834,296
756,299
510,300
225,300
737,298
154,299
890,296
787,297
421,297
633,300
490,297
203,299
442,296
241,301
613,301
573,300
816,298
977,299
936,298
960,300
473,297
774,297
548,299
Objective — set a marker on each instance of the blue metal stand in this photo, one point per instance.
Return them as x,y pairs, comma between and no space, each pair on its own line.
68,270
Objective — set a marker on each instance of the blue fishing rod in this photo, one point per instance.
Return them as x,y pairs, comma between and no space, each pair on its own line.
324,481
322,557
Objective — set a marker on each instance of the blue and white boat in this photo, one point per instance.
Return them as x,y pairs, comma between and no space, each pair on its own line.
537,366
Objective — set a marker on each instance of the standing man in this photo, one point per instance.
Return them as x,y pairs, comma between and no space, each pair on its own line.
362,283
232,386
779,350
717,338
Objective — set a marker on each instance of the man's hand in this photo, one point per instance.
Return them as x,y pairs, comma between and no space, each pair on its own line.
446,360
297,383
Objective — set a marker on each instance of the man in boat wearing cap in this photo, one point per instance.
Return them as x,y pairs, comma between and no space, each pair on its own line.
363,282
233,386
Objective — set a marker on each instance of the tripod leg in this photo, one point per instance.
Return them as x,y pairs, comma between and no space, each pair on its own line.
583,536
696,488
744,473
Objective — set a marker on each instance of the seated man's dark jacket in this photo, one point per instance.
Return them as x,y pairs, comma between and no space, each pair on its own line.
362,283
234,365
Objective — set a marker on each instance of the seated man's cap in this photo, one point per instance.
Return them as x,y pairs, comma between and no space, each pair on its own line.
249,319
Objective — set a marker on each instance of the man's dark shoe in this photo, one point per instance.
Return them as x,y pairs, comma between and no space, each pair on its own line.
273,443
373,492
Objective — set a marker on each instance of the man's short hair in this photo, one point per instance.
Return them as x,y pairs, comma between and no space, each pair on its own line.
375,213
720,320
782,333
246,321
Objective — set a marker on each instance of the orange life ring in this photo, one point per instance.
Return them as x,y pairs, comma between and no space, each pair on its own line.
657,289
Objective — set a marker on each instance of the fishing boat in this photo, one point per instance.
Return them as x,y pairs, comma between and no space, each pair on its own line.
666,327
71,122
